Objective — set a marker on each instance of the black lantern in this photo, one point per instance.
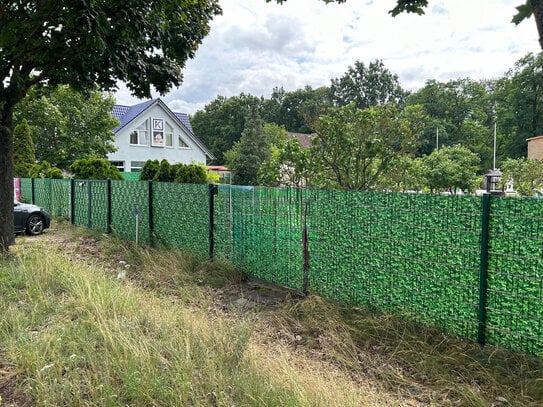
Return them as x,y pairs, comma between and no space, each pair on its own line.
493,182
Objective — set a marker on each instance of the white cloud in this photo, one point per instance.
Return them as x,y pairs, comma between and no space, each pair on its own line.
255,46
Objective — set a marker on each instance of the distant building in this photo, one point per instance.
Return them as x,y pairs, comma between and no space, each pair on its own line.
304,138
151,131
535,147
225,175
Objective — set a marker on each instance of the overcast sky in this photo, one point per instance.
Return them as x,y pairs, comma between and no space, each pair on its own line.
256,46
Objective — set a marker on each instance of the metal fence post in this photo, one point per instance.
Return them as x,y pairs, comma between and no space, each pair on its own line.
151,210
72,201
109,215
213,190
89,204
483,270
33,194
305,244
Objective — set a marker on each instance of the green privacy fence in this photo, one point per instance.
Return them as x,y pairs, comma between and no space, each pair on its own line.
472,266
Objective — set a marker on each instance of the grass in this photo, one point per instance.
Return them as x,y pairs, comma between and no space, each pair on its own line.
89,320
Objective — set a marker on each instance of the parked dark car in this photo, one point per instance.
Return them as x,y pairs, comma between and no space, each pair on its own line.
30,218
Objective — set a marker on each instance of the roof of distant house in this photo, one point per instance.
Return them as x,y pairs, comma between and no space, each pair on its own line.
217,168
304,138
126,114
534,138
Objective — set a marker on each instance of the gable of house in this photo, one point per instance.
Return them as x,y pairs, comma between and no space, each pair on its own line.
151,131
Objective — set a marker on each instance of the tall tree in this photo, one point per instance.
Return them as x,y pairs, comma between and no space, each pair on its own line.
251,151
89,44
367,86
461,112
353,148
24,154
222,121
519,104
526,174
451,168
69,125
297,111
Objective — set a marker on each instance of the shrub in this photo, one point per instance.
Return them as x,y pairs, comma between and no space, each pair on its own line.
149,170
191,174
45,170
95,168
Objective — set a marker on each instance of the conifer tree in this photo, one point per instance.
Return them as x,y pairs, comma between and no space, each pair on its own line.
250,152
24,154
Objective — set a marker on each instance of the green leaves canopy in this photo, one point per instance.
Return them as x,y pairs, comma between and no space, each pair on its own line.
354,147
68,125
367,86
89,44
452,168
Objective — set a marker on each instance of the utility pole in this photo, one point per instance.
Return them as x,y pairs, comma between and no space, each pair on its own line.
494,162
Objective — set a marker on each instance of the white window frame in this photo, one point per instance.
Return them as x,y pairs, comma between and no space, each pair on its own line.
158,132
119,164
134,167
142,132
180,138
168,135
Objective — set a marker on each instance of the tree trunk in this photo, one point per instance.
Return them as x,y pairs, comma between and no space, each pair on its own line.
537,8
7,235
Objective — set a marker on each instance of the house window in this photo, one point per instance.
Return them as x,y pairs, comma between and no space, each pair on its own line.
168,132
182,142
136,166
158,133
140,136
118,164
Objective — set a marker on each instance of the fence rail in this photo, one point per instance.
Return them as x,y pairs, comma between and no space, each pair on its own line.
472,266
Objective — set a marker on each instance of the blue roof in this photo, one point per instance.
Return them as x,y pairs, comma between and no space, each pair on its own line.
126,114
184,118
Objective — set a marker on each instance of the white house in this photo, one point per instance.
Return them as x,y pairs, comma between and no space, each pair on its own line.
149,131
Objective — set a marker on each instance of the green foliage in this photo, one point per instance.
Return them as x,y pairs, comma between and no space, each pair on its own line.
69,125
451,168
164,173
289,165
181,173
107,52
297,111
406,174
222,121
24,156
367,86
519,100
250,152
95,168
461,111
44,170
149,170
353,148
526,174
191,174
524,11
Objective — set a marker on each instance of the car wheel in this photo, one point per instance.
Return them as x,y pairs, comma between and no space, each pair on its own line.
34,224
